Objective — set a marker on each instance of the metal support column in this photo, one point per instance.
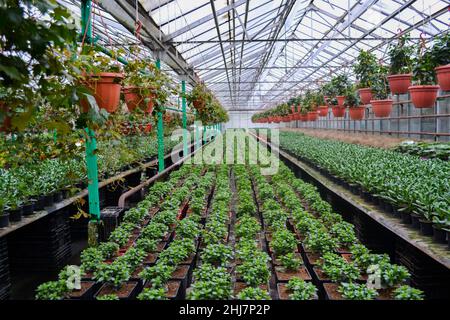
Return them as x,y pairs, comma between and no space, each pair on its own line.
160,133
183,106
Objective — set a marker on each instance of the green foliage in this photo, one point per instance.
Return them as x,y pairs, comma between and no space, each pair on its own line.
290,262
52,290
253,294
441,49
217,254
401,55
211,283
352,98
147,245
255,270
158,275
108,297
108,250
283,242
152,294
366,69
408,293
428,150
115,273
247,227
338,269
353,291
301,290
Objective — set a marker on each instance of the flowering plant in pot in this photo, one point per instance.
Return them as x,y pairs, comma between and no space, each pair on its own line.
319,100
441,57
400,65
381,104
424,89
353,102
365,70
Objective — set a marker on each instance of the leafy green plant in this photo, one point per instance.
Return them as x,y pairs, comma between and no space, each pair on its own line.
52,290
338,269
283,242
353,291
115,273
147,245
400,55
217,254
253,294
154,231
211,283
108,297
158,275
91,258
380,86
301,290
366,69
423,67
352,98
408,293
255,271
108,250
441,49
290,262
247,227
152,294
319,240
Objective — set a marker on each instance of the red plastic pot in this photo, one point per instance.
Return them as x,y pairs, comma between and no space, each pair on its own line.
399,83
340,100
443,77
134,99
293,109
313,115
304,117
365,94
106,89
382,108
338,112
424,96
357,113
291,117
323,111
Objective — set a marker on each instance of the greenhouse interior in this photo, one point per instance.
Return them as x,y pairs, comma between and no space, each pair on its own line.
224,150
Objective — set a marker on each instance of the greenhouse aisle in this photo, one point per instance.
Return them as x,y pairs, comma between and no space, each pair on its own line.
295,153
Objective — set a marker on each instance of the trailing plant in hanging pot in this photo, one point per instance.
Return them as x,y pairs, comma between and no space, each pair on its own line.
400,65
441,57
340,84
381,104
319,99
365,70
102,76
352,101
424,89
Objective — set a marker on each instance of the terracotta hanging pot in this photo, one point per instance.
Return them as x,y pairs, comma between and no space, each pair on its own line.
293,109
304,117
105,87
399,83
5,125
424,96
357,113
365,94
323,111
382,108
338,112
313,115
443,77
340,100
291,117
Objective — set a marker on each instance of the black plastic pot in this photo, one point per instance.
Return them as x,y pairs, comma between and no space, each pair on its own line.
15,215
48,200
39,204
4,220
426,228
406,217
28,209
439,235
58,197
448,238
415,221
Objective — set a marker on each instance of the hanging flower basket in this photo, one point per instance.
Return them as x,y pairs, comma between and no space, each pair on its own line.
338,112
357,113
340,100
399,83
424,96
443,77
313,115
382,108
323,111
365,94
106,89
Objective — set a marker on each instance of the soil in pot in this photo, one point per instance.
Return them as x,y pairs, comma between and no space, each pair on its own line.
399,83
4,220
357,113
150,259
172,288
423,96
338,112
15,215
426,228
331,291
277,262
284,275
443,77
366,95
126,291
320,275
284,293
382,108
86,292
385,294
180,272
439,235
239,286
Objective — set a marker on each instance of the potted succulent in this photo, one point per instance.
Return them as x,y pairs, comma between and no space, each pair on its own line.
365,70
352,101
424,89
381,104
400,65
102,76
441,56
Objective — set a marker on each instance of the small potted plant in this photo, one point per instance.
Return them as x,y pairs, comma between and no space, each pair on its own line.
340,84
441,56
321,103
424,89
352,101
381,103
400,65
365,70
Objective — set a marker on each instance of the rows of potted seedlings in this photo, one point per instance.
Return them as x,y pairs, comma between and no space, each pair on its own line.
426,150
412,68
32,187
406,186
118,268
337,261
